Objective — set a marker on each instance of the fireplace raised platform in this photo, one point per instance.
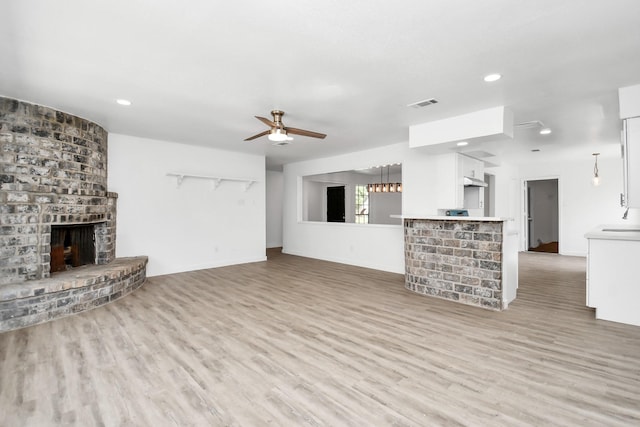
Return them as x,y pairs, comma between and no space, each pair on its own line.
69,292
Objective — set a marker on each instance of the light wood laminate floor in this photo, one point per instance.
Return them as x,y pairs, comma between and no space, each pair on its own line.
295,341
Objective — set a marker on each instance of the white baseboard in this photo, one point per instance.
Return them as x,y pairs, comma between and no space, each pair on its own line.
205,266
377,266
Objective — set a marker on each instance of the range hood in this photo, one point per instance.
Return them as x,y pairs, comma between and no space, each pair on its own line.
473,182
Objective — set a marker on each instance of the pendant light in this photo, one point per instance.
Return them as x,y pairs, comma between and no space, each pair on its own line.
385,187
596,177
392,186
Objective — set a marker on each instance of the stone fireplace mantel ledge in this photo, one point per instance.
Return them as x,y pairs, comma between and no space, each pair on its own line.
79,277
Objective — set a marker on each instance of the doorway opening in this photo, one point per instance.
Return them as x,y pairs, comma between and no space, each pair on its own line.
542,215
335,204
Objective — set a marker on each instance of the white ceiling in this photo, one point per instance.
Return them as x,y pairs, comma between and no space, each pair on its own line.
198,71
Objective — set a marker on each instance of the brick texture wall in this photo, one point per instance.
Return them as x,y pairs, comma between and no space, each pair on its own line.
458,260
53,170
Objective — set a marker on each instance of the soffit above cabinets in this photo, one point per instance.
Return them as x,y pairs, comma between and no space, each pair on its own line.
489,124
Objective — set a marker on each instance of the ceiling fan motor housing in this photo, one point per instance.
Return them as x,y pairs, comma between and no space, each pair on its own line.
277,117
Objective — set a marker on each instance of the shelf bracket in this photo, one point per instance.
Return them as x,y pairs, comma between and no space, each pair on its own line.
179,179
215,183
248,185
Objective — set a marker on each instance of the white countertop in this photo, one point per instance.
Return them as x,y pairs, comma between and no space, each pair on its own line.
453,218
622,232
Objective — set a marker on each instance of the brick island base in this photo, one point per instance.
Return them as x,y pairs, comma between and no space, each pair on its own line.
463,260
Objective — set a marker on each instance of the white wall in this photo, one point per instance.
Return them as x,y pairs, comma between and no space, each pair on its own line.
274,189
371,245
194,226
368,245
314,196
582,206
383,205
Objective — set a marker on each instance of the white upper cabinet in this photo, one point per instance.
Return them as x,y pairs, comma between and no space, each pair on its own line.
629,101
449,185
631,162
630,113
451,191
472,168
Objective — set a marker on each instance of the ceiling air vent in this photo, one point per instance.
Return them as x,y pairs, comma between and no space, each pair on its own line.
424,103
529,125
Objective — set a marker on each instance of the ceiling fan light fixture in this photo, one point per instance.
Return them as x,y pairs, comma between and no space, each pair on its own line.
494,77
278,135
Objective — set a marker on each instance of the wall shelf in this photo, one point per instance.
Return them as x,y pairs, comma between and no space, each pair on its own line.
215,180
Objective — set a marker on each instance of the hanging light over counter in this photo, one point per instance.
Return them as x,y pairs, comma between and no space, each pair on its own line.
596,176
385,187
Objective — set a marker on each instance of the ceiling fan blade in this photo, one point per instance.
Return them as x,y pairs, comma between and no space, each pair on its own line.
266,132
266,121
303,132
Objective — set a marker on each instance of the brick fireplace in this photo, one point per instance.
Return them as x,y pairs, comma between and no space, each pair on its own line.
53,179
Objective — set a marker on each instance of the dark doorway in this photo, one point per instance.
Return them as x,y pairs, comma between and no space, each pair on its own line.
542,215
335,204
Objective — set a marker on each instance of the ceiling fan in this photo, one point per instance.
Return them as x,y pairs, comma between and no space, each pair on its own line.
279,133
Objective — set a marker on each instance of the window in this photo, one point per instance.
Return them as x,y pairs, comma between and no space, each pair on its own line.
362,205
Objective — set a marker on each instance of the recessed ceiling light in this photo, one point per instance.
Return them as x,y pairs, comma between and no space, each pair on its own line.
492,77
545,131
123,102
462,143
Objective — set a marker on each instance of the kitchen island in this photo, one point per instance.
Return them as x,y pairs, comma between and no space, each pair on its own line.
613,287
470,260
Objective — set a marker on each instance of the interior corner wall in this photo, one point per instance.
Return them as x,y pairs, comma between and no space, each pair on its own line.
274,189
194,225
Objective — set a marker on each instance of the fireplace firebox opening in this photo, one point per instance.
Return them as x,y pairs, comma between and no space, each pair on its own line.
72,246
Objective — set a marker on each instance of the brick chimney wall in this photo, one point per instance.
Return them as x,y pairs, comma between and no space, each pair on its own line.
53,171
